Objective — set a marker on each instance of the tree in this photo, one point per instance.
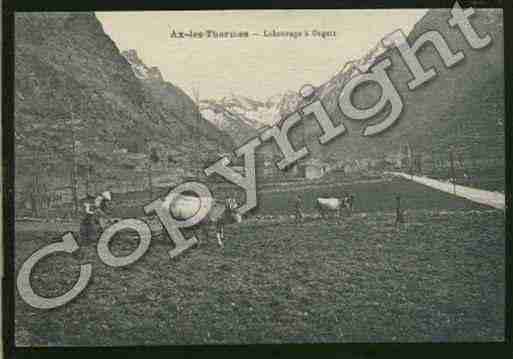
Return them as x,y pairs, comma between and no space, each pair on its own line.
150,180
154,157
170,159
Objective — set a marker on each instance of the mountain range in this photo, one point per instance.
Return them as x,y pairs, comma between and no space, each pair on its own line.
462,107
242,117
80,102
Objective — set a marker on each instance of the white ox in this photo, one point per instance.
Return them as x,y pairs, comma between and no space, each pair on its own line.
183,207
331,205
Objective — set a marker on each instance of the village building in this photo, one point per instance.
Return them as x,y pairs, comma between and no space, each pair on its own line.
313,168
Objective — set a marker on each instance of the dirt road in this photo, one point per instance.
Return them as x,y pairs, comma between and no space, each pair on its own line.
492,199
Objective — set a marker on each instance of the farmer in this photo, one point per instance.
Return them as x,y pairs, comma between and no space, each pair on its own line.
298,209
229,215
399,214
349,203
95,215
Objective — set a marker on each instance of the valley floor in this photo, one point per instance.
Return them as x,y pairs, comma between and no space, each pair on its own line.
438,277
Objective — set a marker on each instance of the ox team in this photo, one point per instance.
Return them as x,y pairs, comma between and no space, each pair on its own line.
96,217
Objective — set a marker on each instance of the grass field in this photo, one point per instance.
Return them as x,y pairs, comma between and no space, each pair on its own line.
440,277
370,196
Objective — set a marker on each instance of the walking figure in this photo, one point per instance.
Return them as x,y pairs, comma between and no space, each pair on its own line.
349,204
229,215
298,210
399,213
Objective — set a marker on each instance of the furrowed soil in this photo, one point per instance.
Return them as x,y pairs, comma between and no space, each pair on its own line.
438,277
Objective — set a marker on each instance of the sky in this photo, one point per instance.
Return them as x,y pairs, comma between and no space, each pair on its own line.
257,67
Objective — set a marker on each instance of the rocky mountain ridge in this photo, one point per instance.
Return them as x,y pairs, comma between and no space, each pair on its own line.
80,104
462,107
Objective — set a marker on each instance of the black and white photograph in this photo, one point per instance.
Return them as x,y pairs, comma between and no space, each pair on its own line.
238,177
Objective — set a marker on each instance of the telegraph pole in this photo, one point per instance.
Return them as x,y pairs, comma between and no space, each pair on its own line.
452,171
432,162
194,134
88,176
73,175
35,198
150,180
410,158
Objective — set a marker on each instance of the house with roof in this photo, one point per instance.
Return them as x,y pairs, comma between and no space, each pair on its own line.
313,168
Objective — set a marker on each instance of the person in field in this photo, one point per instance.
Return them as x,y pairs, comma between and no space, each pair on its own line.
229,215
349,202
399,213
95,215
298,209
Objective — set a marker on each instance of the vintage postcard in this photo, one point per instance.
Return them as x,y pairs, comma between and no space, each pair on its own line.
259,176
